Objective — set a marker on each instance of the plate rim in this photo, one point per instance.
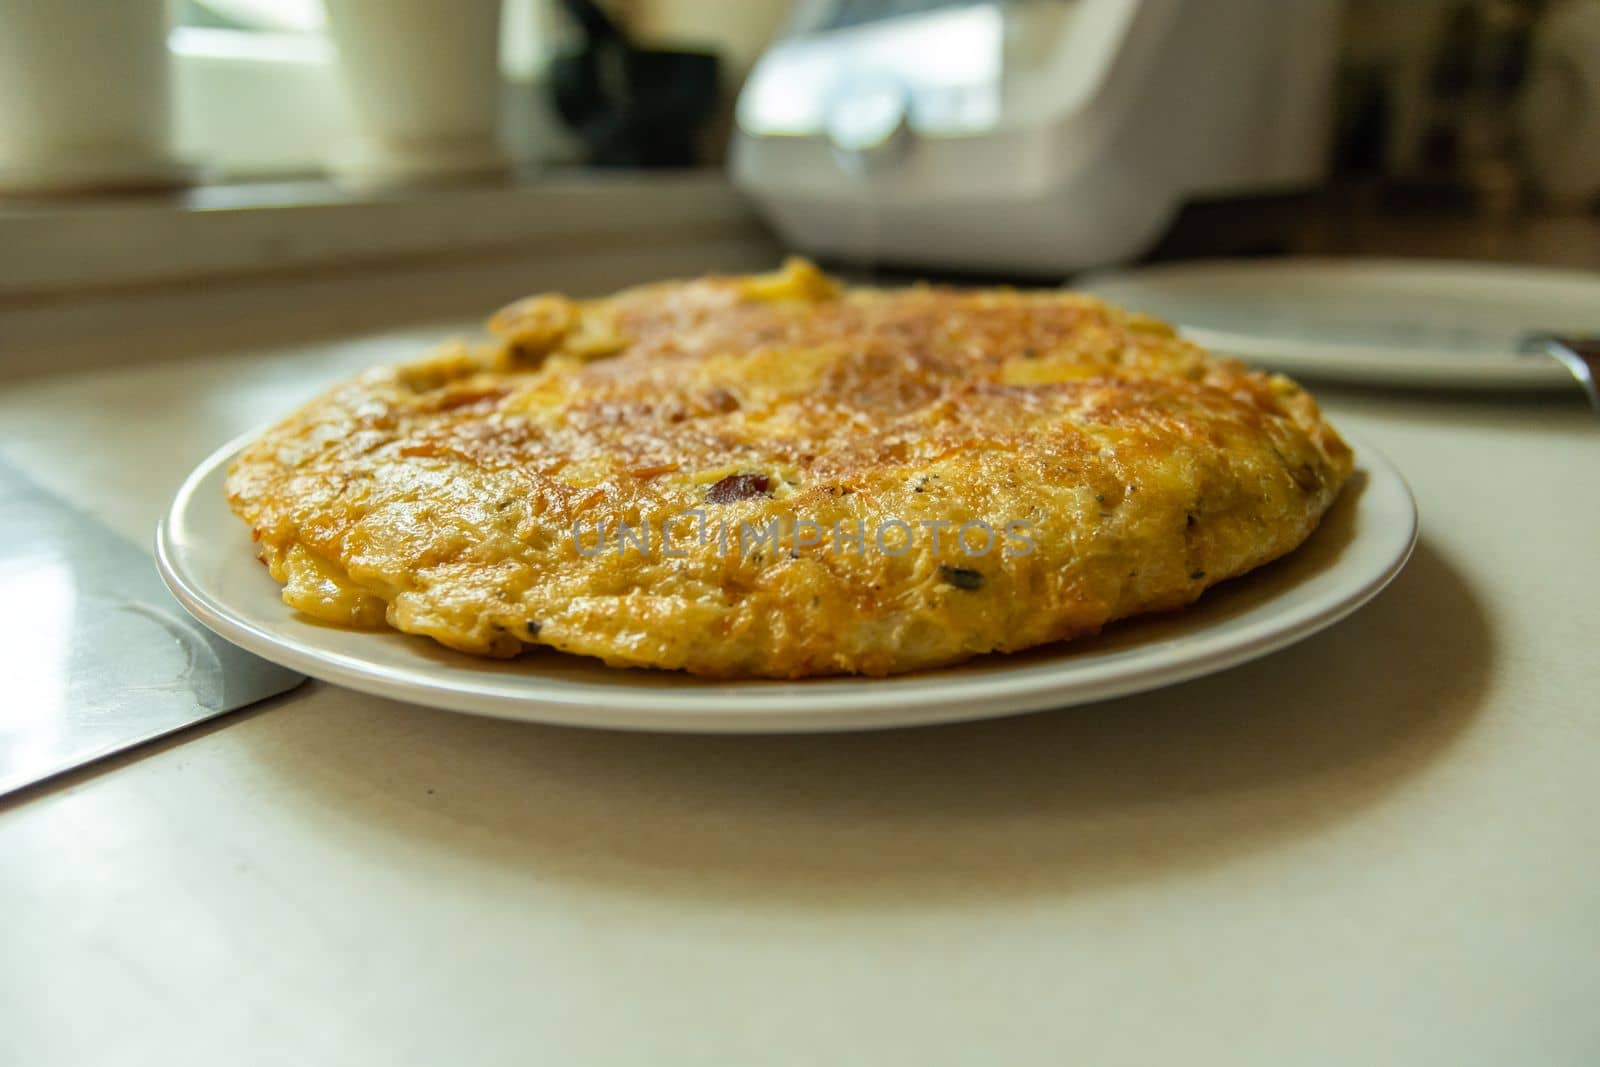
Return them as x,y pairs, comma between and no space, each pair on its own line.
762,706
1345,362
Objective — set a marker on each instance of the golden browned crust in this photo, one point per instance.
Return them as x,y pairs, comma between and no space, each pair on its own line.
1121,470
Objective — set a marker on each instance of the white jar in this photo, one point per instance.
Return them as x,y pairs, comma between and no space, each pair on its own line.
423,78
85,96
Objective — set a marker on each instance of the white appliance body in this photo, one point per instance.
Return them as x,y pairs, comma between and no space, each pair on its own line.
1029,135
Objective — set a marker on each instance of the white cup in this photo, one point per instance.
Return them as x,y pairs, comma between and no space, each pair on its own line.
423,78
85,96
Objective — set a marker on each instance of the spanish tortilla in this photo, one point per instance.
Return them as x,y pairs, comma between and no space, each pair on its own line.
780,476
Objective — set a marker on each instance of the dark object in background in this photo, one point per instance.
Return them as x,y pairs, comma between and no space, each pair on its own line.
1433,107
632,107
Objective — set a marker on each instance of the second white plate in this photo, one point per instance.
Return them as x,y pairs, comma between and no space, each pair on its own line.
206,557
1384,322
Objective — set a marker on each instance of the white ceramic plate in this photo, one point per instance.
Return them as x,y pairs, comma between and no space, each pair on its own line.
1383,322
206,558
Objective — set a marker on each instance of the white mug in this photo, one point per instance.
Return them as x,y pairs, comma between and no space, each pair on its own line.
85,96
423,78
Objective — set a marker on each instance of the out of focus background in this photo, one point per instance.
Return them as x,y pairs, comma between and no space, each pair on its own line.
1375,847
155,143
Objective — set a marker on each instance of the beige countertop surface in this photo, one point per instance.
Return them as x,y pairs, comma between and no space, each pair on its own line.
1380,846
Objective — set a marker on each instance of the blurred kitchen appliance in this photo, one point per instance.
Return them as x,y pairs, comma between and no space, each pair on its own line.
1029,135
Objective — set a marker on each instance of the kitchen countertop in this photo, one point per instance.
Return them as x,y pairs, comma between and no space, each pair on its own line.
1379,846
